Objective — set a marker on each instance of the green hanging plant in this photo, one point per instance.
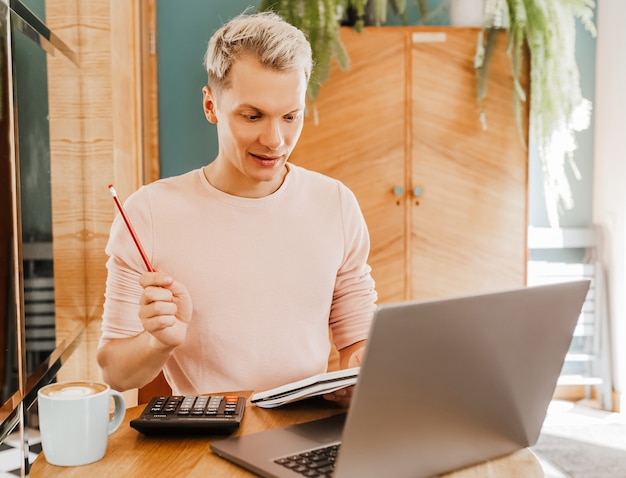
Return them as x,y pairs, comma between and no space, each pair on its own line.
320,21
557,108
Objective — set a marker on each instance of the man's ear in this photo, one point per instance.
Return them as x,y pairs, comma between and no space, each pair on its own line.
208,103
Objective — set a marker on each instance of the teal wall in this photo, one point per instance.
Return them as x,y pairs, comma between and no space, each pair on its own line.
188,141
38,7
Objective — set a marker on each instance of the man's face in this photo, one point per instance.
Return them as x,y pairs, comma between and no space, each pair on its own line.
259,120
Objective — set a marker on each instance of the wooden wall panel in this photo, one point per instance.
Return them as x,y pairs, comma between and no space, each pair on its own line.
149,90
67,152
126,97
95,140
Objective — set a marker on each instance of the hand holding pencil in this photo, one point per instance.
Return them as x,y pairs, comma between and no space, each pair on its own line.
165,305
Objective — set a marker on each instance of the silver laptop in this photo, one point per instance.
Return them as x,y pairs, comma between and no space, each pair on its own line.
444,384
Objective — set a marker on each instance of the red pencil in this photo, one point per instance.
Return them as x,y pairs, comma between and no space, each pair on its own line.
130,228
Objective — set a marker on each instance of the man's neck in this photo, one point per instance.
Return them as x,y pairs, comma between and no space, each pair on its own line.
239,185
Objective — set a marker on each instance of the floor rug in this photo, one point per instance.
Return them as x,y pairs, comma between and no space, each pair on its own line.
582,442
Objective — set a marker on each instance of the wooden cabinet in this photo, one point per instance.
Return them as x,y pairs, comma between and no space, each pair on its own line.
445,200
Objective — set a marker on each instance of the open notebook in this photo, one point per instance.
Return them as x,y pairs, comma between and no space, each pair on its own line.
305,388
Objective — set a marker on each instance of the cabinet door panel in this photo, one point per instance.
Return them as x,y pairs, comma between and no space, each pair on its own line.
360,140
469,225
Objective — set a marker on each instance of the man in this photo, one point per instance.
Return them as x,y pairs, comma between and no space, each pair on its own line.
256,258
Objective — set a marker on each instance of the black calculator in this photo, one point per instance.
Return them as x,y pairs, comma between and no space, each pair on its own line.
191,415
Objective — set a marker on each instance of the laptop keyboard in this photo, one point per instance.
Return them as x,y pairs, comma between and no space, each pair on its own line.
318,463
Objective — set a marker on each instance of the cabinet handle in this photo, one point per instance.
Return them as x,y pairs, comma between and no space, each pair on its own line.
418,191
398,190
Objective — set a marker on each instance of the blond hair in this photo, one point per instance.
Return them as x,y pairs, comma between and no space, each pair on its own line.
276,44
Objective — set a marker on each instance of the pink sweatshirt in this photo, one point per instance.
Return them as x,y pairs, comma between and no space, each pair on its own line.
267,277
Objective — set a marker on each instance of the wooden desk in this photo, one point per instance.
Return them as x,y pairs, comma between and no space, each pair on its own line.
129,453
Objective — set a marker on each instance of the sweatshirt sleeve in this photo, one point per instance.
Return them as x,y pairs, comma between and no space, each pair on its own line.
354,298
124,268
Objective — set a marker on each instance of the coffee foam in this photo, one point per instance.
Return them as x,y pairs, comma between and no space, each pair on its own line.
73,390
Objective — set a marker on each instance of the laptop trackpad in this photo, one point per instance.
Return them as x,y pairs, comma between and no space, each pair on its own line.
252,451
322,432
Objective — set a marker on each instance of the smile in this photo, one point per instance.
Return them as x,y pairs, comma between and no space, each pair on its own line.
265,158
266,162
